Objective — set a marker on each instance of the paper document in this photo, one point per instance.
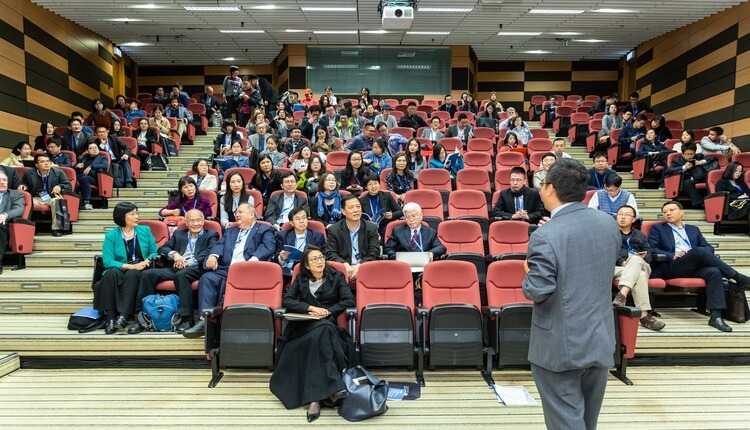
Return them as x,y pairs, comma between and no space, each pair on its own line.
298,317
513,396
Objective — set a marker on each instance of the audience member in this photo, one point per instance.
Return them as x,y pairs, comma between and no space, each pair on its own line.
213,107
352,240
400,180
181,114
603,104
353,176
379,206
548,160
309,179
75,136
687,136
440,160
145,138
448,106
187,198
20,153
324,143
521,130
267,179
636,106
694,169
56,156
611,121
294,143
558,148
598,174
411,119
733,184
716,141
231,88
612,197
469,105
101,116
134,111
386,117
413,237
393,142
519,202
161,97
659,125
11,206
462,130
344,128
278,158
631,133
203,179
415,160
236,194
299,237
279,205
258,139
433,133
46,185
46,130
325,206
118,153
311,122
86,172
248,100
303,159
551,108
378,159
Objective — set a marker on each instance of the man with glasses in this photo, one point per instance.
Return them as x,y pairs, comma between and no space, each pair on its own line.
570,263
414,237
246,241
599,173
11,206
279,205
613,197
298,238
352,240
363,141
632,269
186,250
519,202
46,185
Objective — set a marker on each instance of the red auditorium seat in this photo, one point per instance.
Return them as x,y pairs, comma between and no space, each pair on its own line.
21,232
508,240
431,203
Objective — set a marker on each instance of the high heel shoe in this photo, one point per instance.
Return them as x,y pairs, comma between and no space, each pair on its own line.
315,414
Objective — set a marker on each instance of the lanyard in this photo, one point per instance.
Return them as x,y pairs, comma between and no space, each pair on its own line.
191,242
684,239
375,209
354,237
418,240
44,181
354,173
242,236
195,204
599,182
127,246
616,203
266,184
627,242
199,180
400,183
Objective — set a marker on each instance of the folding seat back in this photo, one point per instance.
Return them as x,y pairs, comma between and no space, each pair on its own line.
336,161
430,102
407,101
451,144
570,104
509,159
464,240
536,107
481,144
592,97
539,145
248,173
431,202
595,126
589,195
626,333
21,232
407,132
427,109
473,179
478,160
213,199
716,204
485,133
134,161
562,120
468,204
452,327
249,325
312,225
537,133
158,229
670,143
573,97
502,178
579,128
672,181
443,115
392,102
598,116
504,279
535,161
508,240
384,325
397,114
434,179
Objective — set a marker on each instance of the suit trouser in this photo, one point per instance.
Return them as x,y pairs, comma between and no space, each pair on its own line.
51,203
634,274
3,240
571,399
688,186
86,181
183,281
211,289
703,264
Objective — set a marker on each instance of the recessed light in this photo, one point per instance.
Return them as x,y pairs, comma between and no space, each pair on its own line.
329,9
374,32
373,67
536,51
558,11
135,44
213,8
445,9
124,20
518,33
612,10
340,66
413,66
241,31
295,30
146,6
264,7
566,33
228,59
590,40
428,33
335,32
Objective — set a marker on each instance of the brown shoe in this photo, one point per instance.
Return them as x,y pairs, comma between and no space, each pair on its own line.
619,300
652,323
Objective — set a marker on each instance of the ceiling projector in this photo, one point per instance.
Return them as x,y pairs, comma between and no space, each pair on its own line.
397,17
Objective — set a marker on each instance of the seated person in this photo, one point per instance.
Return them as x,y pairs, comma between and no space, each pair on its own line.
716,141
362,141
400,180
145,137
258,139
236,193
11,206
548,160
344,128
558,147
636,106
414,157
354,174
134,111
234,158
433,132
187,198
86,172
386,117
309,179
393,142
100,116
440,160
183,116
46,185
56,156
611,121
118,152
47,130
463,130
319,290
656,151
411,119
659,125
612,197
687,136
693,168
413,237
378,159
488,117
228,135
689,255
519,202
379,206
300,237
126,252
447,105
325,206
598,174
158,120
323,142
303,159
294,142
203,179
248,240
511,115
630,134
21,152
633,268
510,141
187,250
278,159
732,183
352,240
521,130
267,179
551,109
280,205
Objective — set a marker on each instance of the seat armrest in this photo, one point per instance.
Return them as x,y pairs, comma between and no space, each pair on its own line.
351,313
279,312
660,258
490,311
213,312
628,311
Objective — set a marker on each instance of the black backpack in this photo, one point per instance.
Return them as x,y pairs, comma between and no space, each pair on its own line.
157,162
119,176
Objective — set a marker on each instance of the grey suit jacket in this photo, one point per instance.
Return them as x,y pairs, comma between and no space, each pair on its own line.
12,204
571,260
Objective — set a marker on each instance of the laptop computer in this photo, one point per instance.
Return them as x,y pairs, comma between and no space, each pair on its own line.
415,260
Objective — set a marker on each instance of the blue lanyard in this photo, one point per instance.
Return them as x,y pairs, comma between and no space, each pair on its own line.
356,178
400,183
354,237
241,236
627,242
418,240
191,242
195,204
199,180
598,182
375,210
44,181
684,239
127,246
266,185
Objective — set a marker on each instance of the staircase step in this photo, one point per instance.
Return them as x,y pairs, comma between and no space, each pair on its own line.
44,303
35,279
70,243
57,259
145,212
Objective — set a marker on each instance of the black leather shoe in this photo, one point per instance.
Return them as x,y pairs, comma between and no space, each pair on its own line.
195,331
136,328
184,325
719,324
57,233
110,328
121,322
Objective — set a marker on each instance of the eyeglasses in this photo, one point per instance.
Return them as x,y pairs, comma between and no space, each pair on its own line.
318,259
299,218
516,179
193,221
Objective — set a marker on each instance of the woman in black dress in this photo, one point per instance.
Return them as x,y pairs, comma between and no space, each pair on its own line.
314,352
732,182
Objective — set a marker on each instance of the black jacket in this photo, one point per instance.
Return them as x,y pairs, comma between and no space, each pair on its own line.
179,241
505,206
339,244
638,243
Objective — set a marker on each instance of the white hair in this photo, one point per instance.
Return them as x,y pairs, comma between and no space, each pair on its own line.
412,207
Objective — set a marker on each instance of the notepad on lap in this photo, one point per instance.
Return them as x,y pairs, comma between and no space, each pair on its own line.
415,260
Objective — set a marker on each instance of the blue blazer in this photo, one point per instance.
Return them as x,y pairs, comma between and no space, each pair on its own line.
288,238
260,243
400,241
661,240
114,254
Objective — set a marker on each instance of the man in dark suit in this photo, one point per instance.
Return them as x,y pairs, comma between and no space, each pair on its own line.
414,237
11,206
692,167
247,241
211,102
187,250
570,263
599,173
280,205
352,240
519,202
602,104
118,153
300,237
411,119
310,123
44,183
56,156
447,105
463,130
690,255
75,137
636,106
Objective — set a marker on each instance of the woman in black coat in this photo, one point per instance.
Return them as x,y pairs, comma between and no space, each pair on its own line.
732,182
313,352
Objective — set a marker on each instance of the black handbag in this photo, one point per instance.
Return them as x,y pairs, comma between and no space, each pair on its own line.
737,309
367,395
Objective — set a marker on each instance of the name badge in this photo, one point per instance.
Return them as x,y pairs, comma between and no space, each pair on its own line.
45,197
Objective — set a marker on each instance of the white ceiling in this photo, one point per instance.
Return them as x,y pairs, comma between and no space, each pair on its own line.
193,38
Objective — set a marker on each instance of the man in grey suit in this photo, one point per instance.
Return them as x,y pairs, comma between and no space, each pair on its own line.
11,206
570,263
